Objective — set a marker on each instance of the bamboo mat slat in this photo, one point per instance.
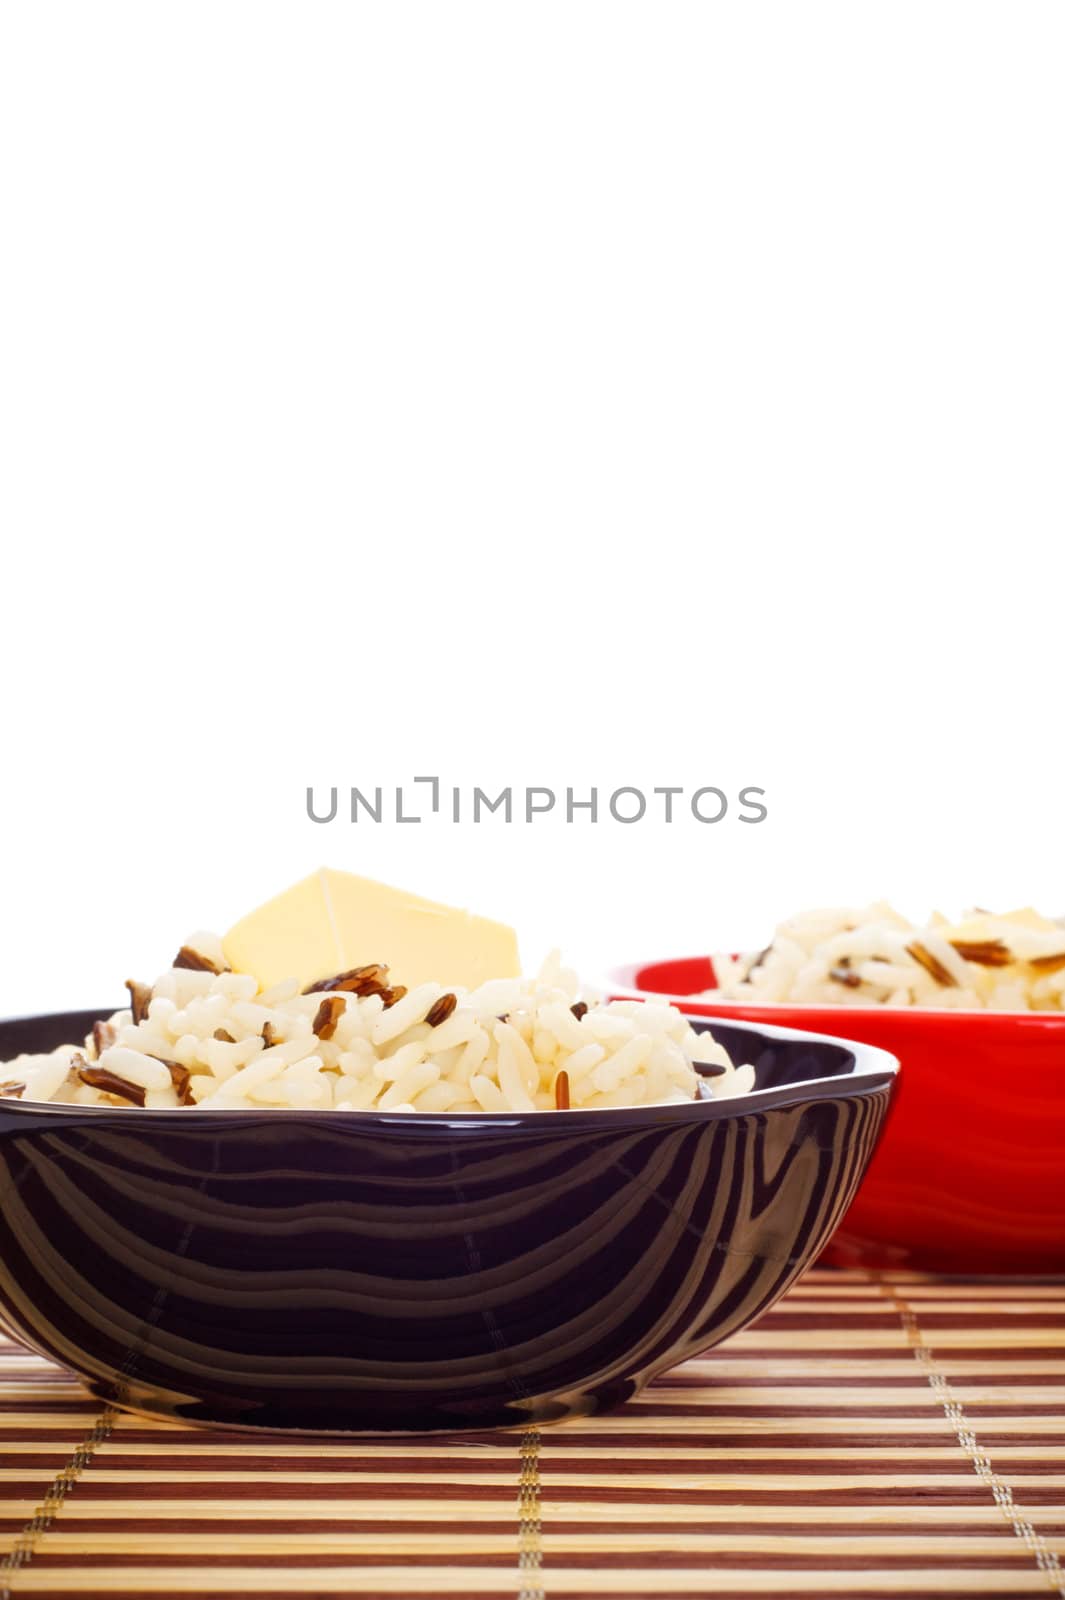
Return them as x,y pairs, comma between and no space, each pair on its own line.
903,1435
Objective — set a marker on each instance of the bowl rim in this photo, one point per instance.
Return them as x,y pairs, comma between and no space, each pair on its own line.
620,984
871,1069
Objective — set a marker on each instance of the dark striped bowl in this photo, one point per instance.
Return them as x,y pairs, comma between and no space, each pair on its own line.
376,1273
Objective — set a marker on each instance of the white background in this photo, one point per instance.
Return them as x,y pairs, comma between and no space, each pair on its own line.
567,393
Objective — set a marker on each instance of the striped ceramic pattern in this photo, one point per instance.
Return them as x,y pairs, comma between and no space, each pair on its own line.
869,1437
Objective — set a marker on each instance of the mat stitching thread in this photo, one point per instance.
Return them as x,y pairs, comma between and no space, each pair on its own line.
1045,1558
30,1536
530,1532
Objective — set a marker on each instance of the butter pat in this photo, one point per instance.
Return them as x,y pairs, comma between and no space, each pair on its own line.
334,920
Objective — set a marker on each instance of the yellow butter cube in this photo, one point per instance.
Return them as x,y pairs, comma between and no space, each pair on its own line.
334,920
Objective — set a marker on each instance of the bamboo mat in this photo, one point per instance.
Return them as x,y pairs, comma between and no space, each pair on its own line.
866,1439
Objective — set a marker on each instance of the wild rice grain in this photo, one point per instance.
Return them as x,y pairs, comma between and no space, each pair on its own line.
442,1009
192,961
109,1082
327,1016
104,1035
140,995
370,979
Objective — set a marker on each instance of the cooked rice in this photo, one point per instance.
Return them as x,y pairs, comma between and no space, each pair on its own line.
840,956
212,1038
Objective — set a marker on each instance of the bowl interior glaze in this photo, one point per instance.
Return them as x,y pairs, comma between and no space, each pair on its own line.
378,1273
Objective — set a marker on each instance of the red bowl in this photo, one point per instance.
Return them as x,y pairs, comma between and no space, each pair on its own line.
970,1172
